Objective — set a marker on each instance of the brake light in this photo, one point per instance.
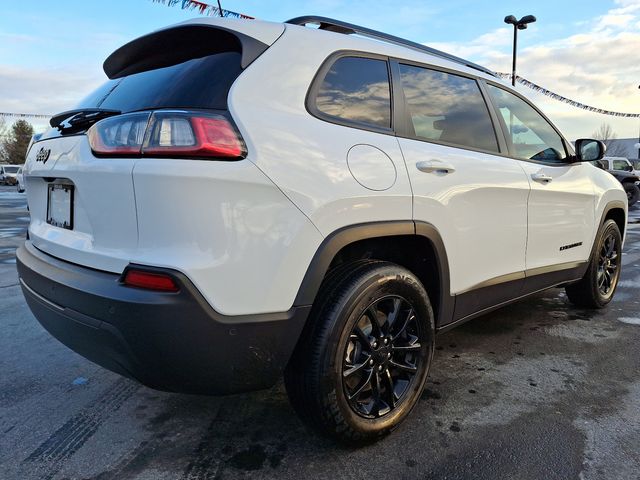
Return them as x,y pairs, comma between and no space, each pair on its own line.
174,134
150,281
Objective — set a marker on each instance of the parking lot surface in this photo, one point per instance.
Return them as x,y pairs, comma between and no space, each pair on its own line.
536,390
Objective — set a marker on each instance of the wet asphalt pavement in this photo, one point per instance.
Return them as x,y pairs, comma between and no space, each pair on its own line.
536,390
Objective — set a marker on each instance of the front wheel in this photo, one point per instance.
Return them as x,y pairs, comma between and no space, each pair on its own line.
363,360
598,285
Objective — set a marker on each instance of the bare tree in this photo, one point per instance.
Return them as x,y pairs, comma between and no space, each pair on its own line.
606,134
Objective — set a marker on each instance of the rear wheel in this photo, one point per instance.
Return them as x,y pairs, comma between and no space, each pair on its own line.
362,362
598,285
633,193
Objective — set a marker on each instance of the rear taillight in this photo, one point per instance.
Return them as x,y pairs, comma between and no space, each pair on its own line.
150,280
121,135
174,134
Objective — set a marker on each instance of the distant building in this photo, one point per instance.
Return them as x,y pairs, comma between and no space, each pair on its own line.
623,147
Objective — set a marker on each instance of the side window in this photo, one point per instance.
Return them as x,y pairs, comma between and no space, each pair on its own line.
357,89
447,108
619,165
532,137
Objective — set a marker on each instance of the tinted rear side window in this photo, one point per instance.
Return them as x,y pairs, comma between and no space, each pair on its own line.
447,108
356,89
197,83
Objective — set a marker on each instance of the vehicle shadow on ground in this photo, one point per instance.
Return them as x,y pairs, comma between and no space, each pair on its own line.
259,432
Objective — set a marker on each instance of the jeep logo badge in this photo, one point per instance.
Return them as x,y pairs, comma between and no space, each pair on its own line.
43,155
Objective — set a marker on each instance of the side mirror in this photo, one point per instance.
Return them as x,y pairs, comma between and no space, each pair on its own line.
588,150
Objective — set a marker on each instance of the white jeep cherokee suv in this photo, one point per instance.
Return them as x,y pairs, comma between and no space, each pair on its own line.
244,199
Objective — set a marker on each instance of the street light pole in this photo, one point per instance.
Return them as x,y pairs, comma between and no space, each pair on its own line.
515,49
517,25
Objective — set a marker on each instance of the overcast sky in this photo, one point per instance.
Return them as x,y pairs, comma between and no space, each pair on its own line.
51,53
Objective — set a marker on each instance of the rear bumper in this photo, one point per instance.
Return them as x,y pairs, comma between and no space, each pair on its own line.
168,341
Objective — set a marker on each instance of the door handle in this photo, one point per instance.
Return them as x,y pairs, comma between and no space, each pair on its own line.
434,166
541,177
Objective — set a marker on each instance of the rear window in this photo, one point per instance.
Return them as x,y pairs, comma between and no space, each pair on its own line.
11,169
193,84
356,89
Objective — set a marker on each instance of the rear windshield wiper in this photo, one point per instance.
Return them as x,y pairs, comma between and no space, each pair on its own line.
80,119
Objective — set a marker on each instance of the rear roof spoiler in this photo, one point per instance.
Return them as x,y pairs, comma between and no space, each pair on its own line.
178,44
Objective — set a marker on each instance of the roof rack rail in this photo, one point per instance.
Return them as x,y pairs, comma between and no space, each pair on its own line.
338,26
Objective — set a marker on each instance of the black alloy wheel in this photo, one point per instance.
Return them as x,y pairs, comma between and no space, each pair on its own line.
363,358
597,287
382,357
608,264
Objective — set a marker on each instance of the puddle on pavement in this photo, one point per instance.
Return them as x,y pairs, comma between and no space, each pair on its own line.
635,283
630,320
11,232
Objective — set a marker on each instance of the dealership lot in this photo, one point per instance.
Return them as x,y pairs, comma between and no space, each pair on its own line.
535,390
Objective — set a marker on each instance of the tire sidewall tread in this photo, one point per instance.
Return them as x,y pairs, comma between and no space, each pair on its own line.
585,293
336,310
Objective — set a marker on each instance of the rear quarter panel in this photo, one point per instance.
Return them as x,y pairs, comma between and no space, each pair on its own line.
227,227
304,156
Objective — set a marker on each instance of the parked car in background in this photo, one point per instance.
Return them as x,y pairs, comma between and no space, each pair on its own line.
20,181
620,164
630,181
8,174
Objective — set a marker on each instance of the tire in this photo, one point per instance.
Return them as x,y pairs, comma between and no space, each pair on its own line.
633,193
342,359
597,287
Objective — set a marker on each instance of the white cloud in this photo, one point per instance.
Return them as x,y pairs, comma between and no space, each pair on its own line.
619,17
15,38
47,91
479,47
51,78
